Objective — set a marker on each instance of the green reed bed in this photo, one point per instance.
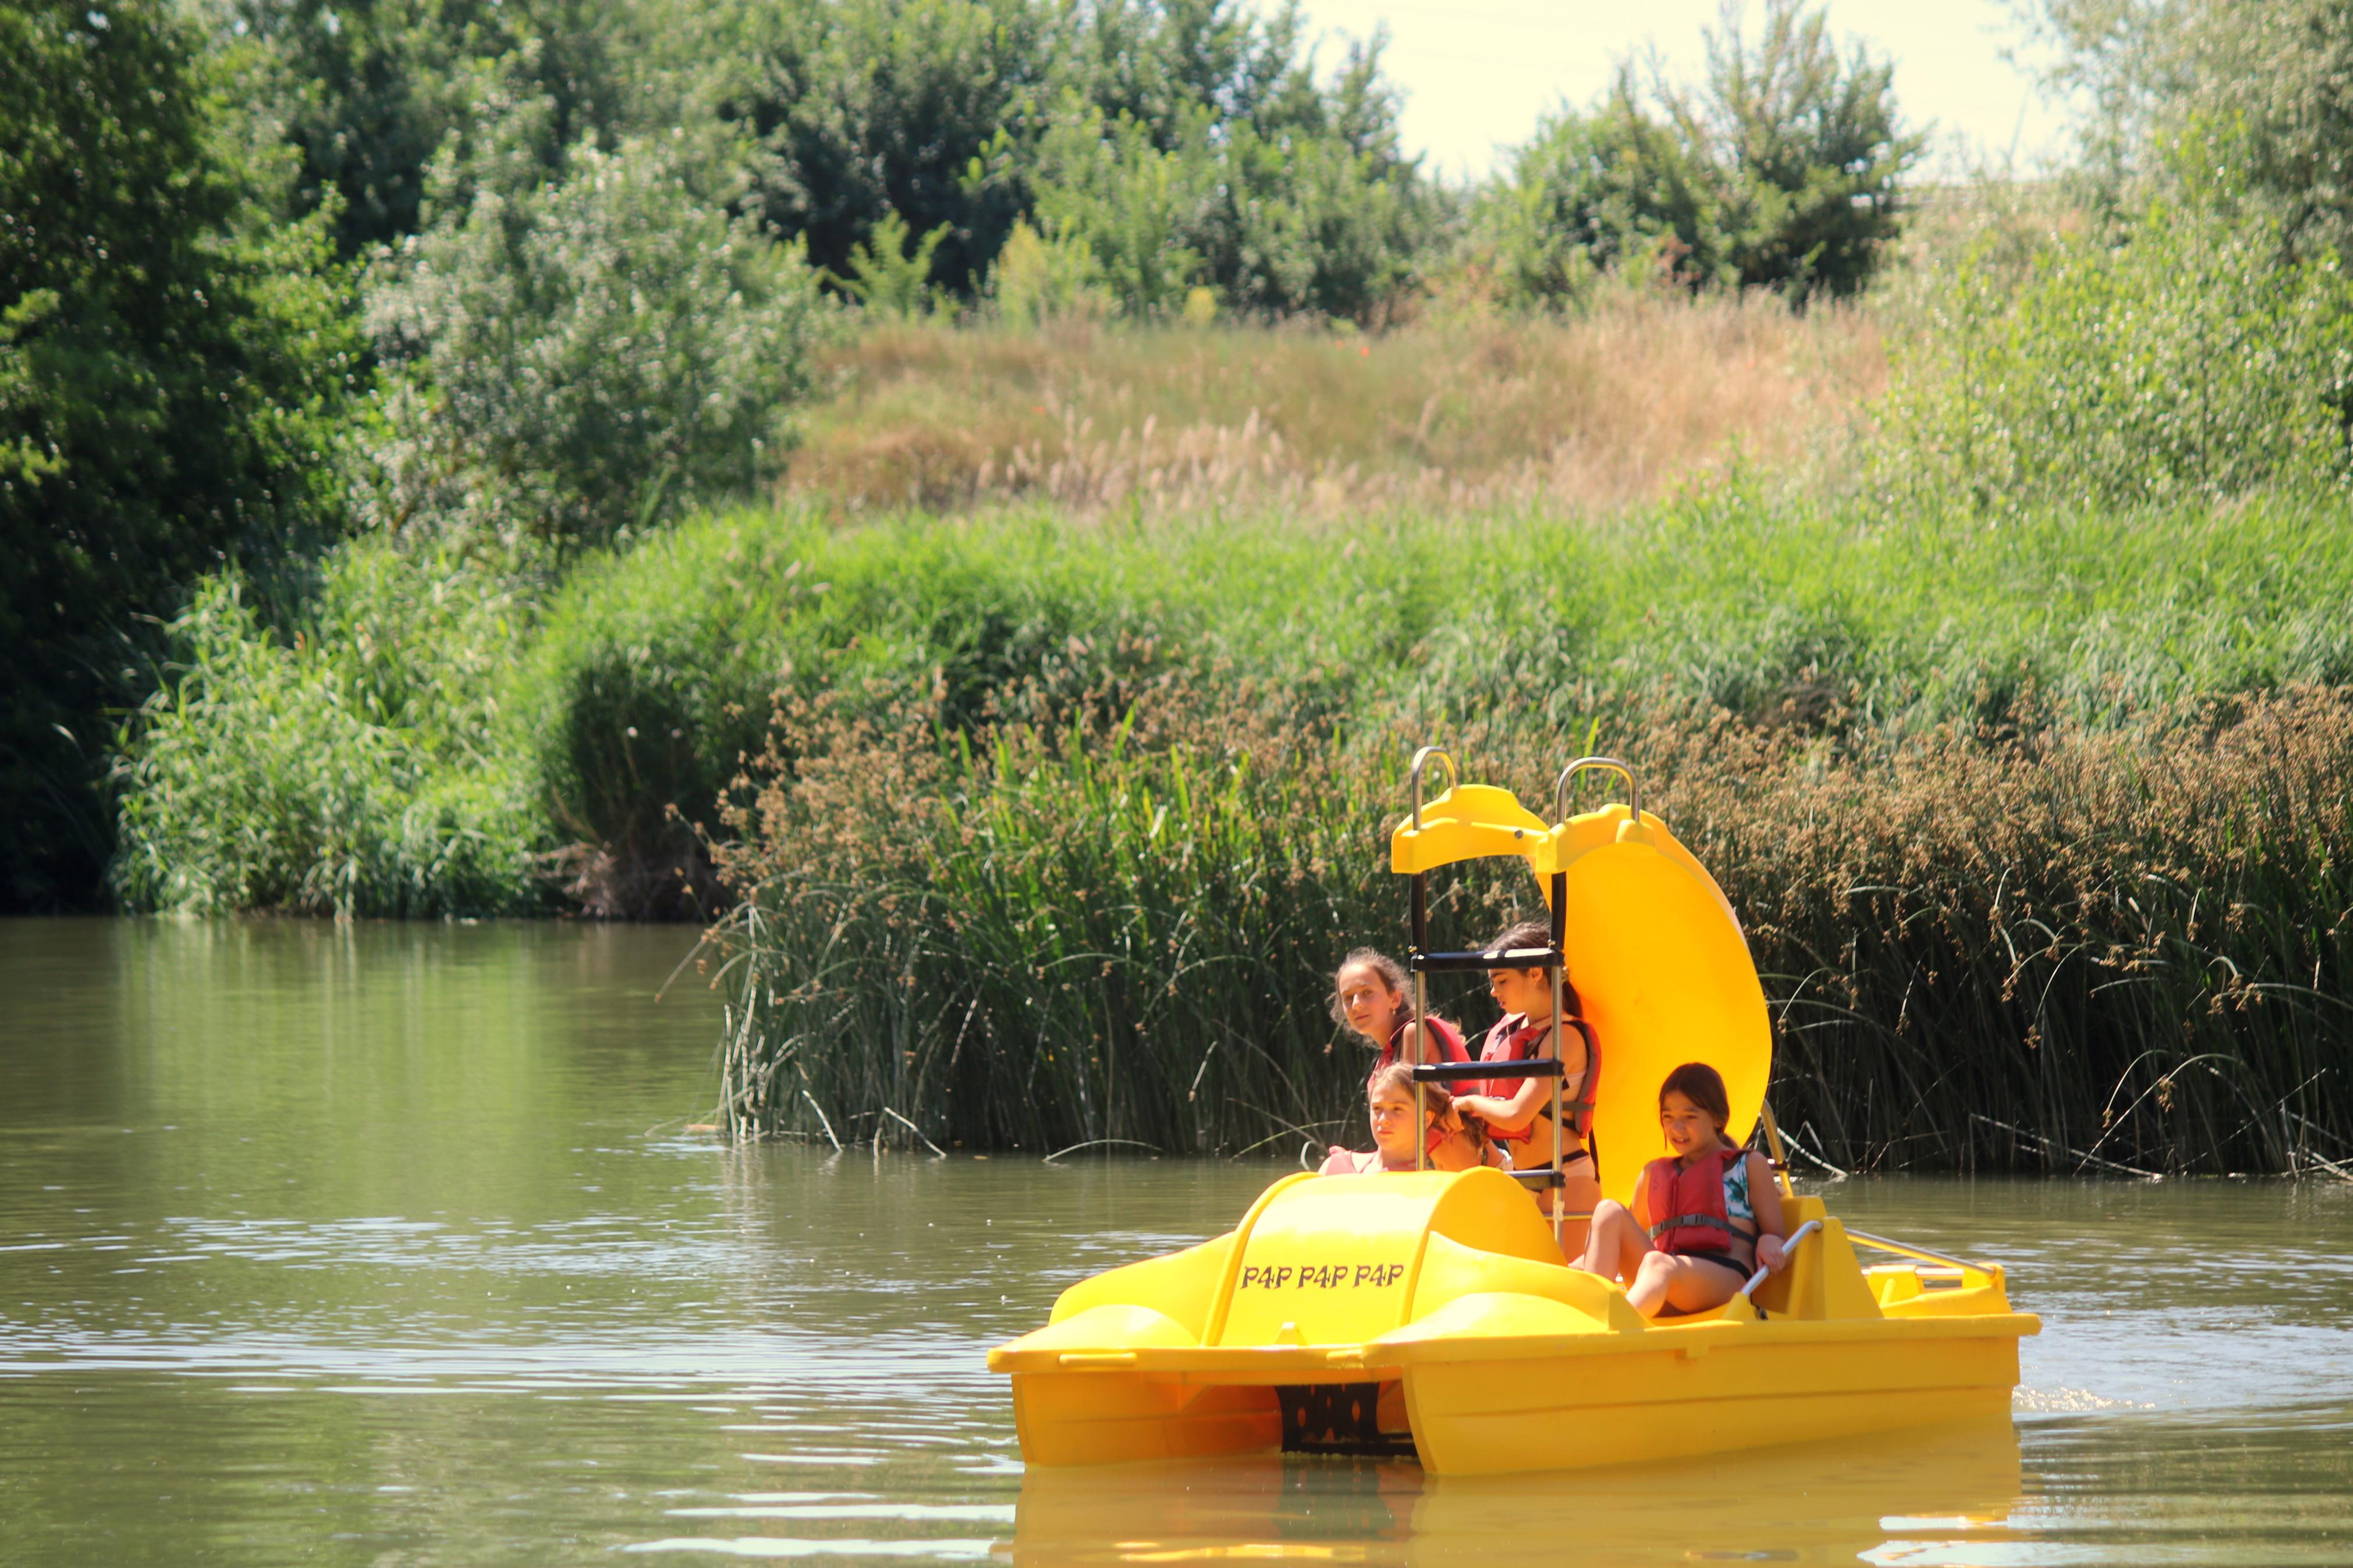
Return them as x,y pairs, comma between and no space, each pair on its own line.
2044,946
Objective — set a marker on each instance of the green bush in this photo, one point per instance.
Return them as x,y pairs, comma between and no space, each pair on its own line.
445,722
358,764
1785,173
581,358
1037,280
656,671
2190,360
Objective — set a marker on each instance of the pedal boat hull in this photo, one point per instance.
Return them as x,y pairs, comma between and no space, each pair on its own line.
1445,1295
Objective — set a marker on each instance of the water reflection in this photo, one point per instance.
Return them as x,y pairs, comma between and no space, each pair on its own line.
1892,1499
381,1245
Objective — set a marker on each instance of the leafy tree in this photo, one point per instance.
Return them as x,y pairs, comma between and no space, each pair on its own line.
582,356
368,90
855,111
963,118
1104,185
1808,152
1284,195
1784,171
172,360
2262,89
1594,192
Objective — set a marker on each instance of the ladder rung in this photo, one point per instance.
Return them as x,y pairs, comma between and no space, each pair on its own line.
1457,1072
1494,958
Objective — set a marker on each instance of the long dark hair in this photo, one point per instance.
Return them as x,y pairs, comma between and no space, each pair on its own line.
1703,1087
1538,934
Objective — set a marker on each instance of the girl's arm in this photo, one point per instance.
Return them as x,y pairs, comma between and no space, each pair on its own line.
1511,1113
1765,1197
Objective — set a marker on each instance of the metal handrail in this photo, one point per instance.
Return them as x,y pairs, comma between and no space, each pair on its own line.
1420,758
1560,788
1788,1251
1906,1249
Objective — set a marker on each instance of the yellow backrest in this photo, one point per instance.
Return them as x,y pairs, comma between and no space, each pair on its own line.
1468,822
1822,1279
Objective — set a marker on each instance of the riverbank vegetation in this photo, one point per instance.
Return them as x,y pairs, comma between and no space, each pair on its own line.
978,500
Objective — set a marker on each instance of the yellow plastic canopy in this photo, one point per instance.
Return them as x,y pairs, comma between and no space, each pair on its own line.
1657,958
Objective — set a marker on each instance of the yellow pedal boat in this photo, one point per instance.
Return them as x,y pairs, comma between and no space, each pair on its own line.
1430,1314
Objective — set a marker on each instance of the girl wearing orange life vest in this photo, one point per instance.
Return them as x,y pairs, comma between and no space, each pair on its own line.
1703,1217
1370,1000
1389,1101
1518,1110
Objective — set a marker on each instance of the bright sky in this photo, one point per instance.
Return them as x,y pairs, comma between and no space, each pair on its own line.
1478,73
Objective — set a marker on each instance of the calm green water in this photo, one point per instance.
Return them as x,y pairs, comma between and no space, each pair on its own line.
386,1245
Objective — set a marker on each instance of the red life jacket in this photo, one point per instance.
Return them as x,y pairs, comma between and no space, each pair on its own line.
1687,1203
1450,1049
1514,1039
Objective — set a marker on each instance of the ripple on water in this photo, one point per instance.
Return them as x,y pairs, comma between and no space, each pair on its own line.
416,1288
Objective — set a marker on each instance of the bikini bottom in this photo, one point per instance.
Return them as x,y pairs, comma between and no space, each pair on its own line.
1722,1260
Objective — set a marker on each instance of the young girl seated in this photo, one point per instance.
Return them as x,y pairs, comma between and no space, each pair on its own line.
1703,1217
1450,1145
1517,1111
1370,1001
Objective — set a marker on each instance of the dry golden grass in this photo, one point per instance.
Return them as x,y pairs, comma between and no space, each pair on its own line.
1595,414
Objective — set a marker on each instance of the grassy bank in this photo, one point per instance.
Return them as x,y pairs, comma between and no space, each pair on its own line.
460,732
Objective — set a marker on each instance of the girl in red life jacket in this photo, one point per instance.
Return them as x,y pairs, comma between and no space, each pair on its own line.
1370,1001
1518,1110
1450,1145
1703,1217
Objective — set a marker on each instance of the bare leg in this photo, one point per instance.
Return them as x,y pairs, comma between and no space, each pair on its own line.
1663,1280
1615,1244
1579,1193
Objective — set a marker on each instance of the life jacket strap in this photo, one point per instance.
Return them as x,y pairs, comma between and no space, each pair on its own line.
1687,1221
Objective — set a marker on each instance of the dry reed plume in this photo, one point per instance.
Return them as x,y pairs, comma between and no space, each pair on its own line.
1594,414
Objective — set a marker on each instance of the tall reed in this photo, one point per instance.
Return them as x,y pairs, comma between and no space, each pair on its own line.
2039,945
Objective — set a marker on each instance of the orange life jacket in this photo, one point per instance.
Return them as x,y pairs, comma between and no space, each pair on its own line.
1514,1039
1687,1203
